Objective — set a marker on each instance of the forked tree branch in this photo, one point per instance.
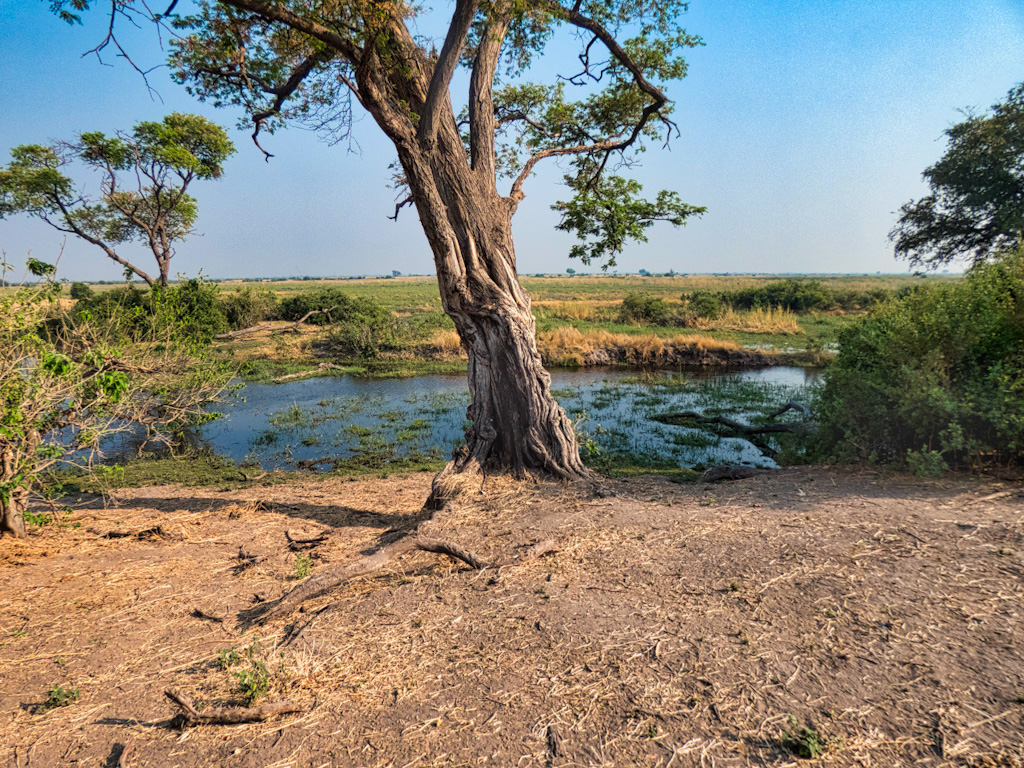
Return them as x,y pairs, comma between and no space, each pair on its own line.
448,59
281,94
610,145
274,12
482,123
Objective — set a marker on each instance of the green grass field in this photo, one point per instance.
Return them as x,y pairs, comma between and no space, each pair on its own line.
588,303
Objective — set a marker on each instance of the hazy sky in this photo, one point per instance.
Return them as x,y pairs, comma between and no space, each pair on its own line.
805,125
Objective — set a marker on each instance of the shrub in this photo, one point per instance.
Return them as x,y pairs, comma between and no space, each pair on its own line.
644,308
251,305
80,291
190,310
936,374
703,304
333,299
123,312
66,384
358,326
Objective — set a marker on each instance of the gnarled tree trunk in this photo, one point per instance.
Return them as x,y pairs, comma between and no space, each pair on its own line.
516,423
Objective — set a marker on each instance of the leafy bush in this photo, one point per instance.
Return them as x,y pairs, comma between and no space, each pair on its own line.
251,305
644,308
80,291
123,312
358,326
703,304
792,295
336,302
935,377
189,311
66,384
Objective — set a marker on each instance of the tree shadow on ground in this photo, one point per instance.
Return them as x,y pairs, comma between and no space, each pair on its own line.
334,516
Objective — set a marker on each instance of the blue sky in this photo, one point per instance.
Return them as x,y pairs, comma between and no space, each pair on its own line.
805,125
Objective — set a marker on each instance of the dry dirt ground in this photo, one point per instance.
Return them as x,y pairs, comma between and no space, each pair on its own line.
879,617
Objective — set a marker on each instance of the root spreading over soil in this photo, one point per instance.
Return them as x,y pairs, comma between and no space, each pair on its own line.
807,614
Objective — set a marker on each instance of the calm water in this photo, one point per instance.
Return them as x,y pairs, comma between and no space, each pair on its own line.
308,423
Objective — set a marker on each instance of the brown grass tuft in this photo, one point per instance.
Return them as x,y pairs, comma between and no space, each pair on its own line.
771,320
570,346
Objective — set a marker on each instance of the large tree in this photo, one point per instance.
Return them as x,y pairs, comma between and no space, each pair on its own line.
975,205
144,180
465,167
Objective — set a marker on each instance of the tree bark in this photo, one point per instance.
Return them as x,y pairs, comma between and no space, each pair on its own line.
516,424
12,516
12,505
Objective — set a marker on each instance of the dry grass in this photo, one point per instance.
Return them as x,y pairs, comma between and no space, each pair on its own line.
573,311
675,626
570,346
444,344
774,320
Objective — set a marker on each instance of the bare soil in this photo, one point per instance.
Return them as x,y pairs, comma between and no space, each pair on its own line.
877,616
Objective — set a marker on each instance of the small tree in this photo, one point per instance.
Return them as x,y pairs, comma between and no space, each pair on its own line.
145,176
65,386
975,207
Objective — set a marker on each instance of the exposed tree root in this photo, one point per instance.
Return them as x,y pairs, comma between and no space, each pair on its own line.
441,547
327,581
228,715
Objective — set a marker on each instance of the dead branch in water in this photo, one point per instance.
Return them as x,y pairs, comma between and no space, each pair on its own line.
725,421
228,715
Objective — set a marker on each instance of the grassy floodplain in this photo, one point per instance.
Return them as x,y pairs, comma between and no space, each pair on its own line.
590,304
576,316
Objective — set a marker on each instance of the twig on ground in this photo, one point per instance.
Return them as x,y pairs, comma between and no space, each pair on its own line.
295,540
228,715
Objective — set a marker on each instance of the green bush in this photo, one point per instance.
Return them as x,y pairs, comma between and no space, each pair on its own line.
125,312
794,295
189,311
251,305
644,308
337,302
933,378
359,326
80,291
703,304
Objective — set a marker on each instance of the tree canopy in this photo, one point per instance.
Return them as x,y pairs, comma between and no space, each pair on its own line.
975,206
145,176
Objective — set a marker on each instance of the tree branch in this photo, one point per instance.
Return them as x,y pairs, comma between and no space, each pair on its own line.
281,94
111,254
448,59
482,123
274,12
658,100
